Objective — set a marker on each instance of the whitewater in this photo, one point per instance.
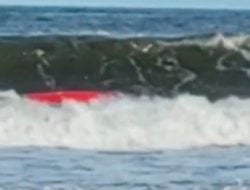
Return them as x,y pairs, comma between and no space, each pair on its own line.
125,123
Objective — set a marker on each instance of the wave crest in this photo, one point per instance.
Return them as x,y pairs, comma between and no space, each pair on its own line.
215,66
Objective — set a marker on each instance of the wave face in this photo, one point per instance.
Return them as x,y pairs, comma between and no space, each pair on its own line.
214,66
126,123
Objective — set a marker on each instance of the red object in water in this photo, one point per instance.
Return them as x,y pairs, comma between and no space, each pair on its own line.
55,97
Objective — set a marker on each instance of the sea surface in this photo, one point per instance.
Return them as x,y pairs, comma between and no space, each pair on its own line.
179,117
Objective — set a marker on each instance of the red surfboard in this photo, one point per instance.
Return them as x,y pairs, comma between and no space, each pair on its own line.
56,97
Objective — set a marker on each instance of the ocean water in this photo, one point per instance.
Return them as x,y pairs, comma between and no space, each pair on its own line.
121,22
178,118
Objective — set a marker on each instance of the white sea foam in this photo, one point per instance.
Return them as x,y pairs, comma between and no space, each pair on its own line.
228,42
125,123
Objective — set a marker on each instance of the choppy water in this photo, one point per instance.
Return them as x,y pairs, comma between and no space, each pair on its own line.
54,169
120,22
179,118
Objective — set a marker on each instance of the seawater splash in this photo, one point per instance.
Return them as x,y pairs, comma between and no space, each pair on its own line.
126,123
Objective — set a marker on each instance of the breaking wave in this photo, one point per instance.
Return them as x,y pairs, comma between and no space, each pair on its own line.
214,65
126,123
164,89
